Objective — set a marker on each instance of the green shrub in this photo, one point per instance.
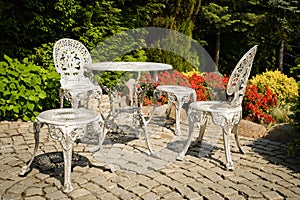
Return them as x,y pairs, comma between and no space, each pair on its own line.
26,89
295,145
295,116
285,88
43,55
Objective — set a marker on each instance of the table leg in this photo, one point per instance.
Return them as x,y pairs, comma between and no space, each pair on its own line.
145,125
36,129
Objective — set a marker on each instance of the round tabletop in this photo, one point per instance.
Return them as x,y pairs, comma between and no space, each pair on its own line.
68,116
129,66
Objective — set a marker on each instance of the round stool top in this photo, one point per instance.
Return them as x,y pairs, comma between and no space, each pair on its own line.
68,116
176,89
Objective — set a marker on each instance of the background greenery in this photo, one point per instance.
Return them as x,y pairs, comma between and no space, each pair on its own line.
225,28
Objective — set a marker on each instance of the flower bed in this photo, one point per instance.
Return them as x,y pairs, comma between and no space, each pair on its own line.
257,104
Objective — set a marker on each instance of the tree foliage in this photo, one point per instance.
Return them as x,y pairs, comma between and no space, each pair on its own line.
28,27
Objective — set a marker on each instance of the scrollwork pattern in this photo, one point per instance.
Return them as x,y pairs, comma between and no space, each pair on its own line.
226,120
67,135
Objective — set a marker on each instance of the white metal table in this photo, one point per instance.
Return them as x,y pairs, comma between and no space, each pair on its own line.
67,125
134,67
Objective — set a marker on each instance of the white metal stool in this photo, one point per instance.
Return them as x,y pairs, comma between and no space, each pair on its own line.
177,95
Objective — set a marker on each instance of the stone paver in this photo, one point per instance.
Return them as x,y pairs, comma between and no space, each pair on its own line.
266,171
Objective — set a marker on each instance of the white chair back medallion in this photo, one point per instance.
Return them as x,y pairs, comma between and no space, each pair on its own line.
70,57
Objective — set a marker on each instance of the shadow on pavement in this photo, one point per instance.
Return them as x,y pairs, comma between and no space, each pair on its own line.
276,153
52,164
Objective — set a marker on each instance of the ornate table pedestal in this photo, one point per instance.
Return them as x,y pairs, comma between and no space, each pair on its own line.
68,125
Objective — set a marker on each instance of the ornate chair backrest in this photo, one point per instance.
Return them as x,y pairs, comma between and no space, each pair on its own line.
239,77
70,57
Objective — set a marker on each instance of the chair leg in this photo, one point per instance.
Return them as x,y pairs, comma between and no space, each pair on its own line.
36,128
189,140
86,100
75,102
99,98
226,139
202,127
237,140
61,97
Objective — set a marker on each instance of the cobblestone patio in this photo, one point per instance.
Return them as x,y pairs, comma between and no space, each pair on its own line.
123,170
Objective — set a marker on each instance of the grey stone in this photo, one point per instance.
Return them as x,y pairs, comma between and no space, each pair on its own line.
33,192
272,195
251,129
79,192
150,196
58,194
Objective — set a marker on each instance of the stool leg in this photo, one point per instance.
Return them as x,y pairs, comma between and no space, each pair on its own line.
178,106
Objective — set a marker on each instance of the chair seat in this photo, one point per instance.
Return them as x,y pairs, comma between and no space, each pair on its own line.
214,106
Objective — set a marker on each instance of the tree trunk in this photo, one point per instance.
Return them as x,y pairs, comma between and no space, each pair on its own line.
218,44
280,63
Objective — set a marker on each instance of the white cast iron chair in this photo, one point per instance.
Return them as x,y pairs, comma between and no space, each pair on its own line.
226,114
70,57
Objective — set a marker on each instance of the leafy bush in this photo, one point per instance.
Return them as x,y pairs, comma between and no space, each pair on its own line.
295,145
43,55
26,89
285,88
281,114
